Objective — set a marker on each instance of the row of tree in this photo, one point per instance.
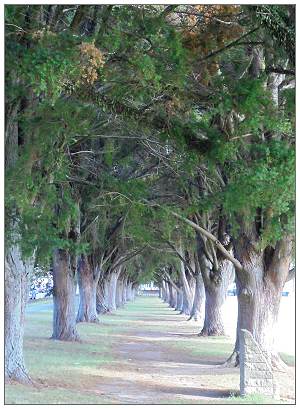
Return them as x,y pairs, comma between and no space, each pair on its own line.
149,142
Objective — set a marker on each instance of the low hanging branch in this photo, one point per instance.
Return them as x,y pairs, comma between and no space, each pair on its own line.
207,234
127,257
180,257
172,282
210,236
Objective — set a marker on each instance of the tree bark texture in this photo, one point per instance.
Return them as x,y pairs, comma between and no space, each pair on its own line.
112,290
64,297
187,293
172,299
216,281
199,297
17,270
179,300
101,300
17,273
129,292
119,292
165,291
124,291
259,290
87,280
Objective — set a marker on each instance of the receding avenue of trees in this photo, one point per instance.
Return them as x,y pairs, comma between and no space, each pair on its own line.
149,143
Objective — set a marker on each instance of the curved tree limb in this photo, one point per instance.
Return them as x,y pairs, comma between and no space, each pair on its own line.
213,238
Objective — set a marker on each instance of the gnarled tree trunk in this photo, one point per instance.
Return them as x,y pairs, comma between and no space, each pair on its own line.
101,303
259,290
17,273
87,280
187,292
215,295
216,281
64,297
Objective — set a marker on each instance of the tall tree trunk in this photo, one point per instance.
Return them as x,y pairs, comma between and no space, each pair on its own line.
165,291
259,290
17,269
186,304
87,281
129,294
215,295
119,292
172,300
216,280
64,297
179,300
17,273
134,291
112,290
199,297
101,304
124,291
213,322
186,289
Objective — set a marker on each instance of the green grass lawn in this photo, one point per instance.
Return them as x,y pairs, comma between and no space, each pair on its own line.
68,373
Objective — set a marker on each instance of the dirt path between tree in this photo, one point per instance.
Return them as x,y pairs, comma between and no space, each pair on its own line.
150,369
153,364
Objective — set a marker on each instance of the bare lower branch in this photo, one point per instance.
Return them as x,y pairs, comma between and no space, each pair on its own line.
210,236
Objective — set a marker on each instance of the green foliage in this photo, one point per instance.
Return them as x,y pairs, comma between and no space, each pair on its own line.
51,65
152,88
147,56
40,182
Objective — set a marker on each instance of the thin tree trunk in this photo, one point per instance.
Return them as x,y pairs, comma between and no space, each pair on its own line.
87,281
129,294
17,273
64,298
187,291
134,290
186,304
119,293
165,292
112,290
199,298
101,305
172,301
124,292
179,300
